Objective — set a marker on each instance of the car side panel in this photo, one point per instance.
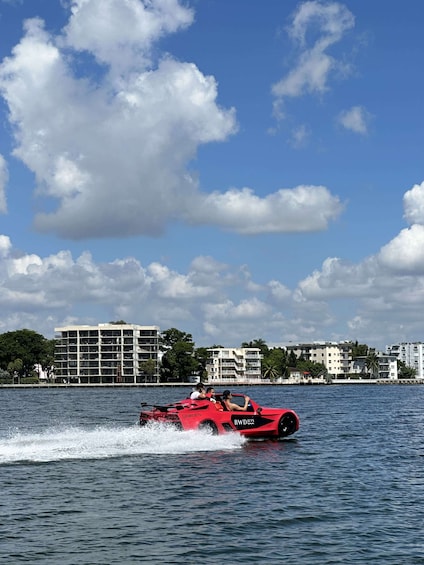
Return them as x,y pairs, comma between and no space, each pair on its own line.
259,422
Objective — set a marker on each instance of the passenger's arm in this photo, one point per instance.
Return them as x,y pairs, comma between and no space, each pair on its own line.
233,406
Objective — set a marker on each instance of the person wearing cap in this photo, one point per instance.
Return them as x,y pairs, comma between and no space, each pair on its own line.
226,397
198,393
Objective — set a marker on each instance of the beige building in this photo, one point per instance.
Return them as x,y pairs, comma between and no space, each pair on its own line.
335,356
234,365
107,353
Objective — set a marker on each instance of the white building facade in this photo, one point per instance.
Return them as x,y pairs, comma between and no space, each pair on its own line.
234,365
410,353
337,359
387,367
107,354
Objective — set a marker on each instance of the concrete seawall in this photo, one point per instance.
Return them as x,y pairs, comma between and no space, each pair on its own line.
310,382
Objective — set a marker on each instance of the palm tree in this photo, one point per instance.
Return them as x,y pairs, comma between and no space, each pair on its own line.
259,343
270,370
371,363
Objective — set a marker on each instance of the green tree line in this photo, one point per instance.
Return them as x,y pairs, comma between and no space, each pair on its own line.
20,352
23,350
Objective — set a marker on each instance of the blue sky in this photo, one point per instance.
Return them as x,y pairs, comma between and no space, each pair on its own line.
237,170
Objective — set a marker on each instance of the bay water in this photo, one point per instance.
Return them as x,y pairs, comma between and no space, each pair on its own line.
82,483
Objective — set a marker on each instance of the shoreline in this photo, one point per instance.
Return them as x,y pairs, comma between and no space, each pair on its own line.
340,382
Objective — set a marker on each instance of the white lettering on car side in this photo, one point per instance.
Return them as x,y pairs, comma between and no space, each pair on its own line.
244,421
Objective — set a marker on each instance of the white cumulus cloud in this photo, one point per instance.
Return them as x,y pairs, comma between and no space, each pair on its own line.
413,204
121,34
326,23
304,208
355,119
4,176
405,253
109,126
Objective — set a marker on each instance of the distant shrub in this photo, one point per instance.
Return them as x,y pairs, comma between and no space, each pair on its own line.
29,380
5,377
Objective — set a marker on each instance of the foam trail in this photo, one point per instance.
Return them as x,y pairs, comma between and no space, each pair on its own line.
105,442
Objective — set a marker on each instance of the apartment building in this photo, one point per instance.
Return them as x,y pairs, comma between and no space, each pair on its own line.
107,353
387,367
234,365
410,353
335,356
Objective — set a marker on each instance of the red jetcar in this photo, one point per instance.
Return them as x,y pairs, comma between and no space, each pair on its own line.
255,422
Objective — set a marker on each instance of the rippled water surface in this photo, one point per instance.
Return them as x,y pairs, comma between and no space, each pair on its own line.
82,484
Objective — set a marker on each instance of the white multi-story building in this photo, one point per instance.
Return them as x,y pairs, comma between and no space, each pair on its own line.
336,357
234,365
412,354
107,353
387,367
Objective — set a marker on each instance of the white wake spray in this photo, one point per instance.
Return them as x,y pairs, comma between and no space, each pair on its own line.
103,442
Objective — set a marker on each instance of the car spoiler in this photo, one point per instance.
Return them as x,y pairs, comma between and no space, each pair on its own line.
163,408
